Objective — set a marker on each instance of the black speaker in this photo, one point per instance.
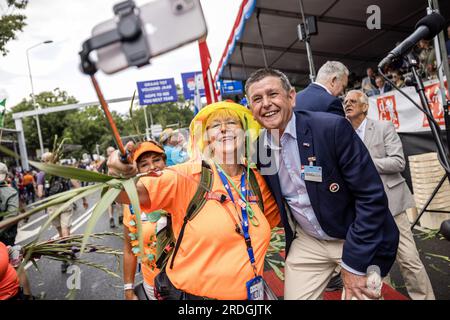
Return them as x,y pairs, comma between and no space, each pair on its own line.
445,229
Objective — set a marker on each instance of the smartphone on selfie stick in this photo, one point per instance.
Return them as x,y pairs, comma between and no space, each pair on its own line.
134,36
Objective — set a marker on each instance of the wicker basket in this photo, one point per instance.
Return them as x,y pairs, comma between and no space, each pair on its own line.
426,172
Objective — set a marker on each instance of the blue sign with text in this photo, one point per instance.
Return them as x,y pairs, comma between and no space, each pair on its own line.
157,91
231,87
189,79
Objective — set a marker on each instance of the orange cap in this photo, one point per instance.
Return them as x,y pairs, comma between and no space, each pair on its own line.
146,146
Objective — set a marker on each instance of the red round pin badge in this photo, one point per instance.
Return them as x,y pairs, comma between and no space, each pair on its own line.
334,187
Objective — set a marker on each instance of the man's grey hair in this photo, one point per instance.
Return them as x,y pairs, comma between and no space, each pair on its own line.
260,74
331,69
363,98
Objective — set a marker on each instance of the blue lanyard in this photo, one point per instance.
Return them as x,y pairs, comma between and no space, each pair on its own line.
244,213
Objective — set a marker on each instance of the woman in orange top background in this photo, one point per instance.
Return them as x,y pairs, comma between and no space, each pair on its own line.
148,156
9,281
212,260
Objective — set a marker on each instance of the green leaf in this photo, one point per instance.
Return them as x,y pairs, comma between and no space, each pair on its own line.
71,191
71,173
8,152
276,270
130,188
153,216
66,205
445,258
48,202
99,209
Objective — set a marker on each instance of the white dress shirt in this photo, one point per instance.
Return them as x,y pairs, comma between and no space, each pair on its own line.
293,187
362,129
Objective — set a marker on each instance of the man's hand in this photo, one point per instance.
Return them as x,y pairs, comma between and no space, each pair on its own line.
356,286
119,169
85,204
129,295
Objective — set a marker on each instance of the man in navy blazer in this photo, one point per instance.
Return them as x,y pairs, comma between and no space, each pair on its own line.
331,198
321,95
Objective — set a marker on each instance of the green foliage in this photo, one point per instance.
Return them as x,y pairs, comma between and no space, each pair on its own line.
52,124
11,22
85,128
88,127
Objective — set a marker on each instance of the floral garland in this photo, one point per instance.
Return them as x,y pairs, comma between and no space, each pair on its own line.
149,256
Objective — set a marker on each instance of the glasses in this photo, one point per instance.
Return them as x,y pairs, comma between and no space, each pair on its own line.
350,101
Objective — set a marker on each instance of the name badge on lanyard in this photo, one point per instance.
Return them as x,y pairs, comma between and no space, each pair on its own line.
255,286
255,289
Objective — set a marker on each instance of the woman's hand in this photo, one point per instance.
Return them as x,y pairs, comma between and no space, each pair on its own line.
119,169
129,295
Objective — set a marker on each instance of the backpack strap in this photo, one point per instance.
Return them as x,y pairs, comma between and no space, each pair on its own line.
254,186
197,202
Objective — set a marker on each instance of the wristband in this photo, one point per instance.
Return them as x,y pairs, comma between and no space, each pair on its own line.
128,286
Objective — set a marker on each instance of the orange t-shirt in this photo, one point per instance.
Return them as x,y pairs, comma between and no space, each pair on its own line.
27,179
9,281
149,270
212,260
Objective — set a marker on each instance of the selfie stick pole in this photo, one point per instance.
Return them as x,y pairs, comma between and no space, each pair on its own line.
125,156
129,33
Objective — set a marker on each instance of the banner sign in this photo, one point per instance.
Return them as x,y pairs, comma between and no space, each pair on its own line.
157,91
190,81
231,87
393,106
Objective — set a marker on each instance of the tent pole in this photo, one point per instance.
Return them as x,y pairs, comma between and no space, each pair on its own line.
443,69
243,61
312,70
262,40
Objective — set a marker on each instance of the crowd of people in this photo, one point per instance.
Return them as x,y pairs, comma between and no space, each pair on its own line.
374,83
304,160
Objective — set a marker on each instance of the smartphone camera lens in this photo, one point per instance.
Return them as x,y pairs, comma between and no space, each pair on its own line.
182,6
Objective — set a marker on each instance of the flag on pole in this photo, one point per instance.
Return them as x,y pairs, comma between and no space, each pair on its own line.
205,57
2,111
197,97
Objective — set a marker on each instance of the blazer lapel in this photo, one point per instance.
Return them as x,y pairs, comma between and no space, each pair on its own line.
368,133
306,150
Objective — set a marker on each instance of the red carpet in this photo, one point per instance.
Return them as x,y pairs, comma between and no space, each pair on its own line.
276,284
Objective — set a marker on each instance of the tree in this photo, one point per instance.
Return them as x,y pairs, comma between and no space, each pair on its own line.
88,127
164,114
10,22
51,124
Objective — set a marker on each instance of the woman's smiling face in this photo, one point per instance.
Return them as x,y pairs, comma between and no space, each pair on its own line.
225,135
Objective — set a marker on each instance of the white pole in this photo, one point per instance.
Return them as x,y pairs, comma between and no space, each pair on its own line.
41,144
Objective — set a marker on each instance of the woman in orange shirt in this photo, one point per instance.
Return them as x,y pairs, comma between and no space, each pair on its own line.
222,252
9,281
148,156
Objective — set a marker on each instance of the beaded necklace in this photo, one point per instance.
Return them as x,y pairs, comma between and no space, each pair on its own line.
148,258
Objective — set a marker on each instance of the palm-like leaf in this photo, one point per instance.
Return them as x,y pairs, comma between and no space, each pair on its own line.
110,186
99,209
71,173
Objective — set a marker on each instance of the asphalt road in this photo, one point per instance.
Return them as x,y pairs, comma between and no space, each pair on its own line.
51,284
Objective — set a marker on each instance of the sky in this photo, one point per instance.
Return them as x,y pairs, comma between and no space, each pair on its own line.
69,23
